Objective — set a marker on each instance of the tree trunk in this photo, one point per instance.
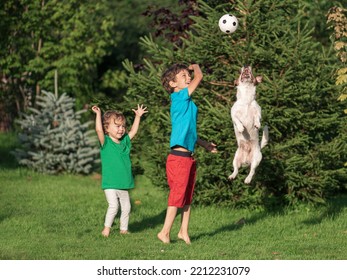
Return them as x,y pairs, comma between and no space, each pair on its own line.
5,119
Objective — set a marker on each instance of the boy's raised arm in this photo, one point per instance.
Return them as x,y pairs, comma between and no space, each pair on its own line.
138,114
197,78
98,124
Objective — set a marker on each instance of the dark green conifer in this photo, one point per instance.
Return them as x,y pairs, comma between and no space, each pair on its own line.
304,160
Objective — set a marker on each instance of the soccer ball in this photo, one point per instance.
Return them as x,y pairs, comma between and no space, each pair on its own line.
228,23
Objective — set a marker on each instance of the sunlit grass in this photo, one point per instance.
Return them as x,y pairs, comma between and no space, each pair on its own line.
61,217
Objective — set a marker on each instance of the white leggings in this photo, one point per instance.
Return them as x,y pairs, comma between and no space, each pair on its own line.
112,197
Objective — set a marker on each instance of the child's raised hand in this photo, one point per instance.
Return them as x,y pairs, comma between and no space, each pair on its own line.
140,110
96,109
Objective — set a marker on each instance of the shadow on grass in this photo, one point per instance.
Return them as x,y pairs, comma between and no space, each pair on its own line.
333,209
154,221
150,222
7,161
4,217
8,143
232,227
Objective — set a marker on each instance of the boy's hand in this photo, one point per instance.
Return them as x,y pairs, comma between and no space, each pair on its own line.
193,66
211,147
140,110
96,109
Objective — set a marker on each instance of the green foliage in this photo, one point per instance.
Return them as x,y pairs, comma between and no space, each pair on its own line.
338,22
40,37
52,138
85,41
8,142
307,150
338,19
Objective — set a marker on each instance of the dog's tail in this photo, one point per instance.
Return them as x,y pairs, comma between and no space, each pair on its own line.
265,137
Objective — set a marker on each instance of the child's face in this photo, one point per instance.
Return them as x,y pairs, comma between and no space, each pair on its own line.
182,80
116,129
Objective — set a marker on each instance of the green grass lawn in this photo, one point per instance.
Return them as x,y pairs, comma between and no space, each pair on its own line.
46,217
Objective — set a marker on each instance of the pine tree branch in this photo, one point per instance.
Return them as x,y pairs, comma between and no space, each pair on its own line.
221,83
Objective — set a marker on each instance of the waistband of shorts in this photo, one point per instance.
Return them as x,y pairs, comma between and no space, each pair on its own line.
181,153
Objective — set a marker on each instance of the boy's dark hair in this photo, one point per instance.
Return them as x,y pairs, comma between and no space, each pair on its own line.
170,75
109,116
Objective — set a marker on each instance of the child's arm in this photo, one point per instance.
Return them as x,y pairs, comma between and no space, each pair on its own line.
98,125
138,114
197,78
211,147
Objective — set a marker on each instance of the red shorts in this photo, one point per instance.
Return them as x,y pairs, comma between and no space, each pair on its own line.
181,175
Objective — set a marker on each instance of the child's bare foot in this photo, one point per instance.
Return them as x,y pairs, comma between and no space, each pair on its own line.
163,238
124,232
184,238
106,231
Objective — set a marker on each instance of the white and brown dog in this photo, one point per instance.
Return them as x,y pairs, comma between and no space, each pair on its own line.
246,117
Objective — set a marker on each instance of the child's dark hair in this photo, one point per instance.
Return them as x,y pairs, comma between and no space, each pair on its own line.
109,116
170,75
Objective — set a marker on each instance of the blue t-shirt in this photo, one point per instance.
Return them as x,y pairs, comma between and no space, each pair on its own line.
184,114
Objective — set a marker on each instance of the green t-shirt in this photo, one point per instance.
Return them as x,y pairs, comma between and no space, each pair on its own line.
116,164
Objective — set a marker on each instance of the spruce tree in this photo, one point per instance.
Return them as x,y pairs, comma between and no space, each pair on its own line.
304,160
53,139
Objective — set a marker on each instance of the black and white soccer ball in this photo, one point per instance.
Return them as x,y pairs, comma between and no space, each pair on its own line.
228,23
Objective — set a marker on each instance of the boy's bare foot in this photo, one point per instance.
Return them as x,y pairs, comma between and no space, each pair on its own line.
124,232
106,231
184,238
163,238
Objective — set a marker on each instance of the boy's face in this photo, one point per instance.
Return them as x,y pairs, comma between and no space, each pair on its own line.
182,80
116,129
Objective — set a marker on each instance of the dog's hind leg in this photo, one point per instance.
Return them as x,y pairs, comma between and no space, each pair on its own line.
236,165
238,126
254,164
265,137
250,175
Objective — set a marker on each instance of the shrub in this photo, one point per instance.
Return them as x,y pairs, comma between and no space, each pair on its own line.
53,139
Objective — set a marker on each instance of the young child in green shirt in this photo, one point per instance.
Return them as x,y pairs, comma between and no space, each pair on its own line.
117,178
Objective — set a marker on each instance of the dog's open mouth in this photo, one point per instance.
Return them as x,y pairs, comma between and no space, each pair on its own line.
246,74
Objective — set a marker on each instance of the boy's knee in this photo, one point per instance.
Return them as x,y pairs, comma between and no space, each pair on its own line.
113,205
126,209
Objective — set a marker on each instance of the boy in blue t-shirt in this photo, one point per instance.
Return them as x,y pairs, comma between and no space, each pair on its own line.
180,164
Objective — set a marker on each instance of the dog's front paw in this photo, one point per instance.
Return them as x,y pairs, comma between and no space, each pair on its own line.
257,123
240,128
